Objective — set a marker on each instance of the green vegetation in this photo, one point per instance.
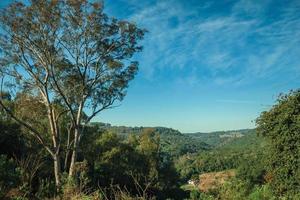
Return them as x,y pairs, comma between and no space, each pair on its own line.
230,155
57,75
110,164
281,127
267,164
157,163
172,141
220,138
8,174
59,59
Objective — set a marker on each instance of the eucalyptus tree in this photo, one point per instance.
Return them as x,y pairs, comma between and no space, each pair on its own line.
72,58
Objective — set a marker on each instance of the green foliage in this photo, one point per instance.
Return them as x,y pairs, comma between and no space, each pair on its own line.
46,189
195,195
184,165
116,161
253,169
180,144
134,163
238,189
234,190
212,161
61,59
266,168
281,126
249,141
263,192
220,138
172,141
204,196
9,175
153,162
11,141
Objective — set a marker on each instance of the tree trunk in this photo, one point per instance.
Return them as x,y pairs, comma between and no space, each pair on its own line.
74,153
72,164
76,139
68,148
57,171
66,160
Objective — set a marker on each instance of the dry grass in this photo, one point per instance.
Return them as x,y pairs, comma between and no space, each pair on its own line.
209,181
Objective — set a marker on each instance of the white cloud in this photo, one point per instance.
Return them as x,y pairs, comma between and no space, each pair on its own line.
228,47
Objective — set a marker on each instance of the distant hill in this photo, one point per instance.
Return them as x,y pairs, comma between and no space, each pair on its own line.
250,141
172,141
225,138
176,143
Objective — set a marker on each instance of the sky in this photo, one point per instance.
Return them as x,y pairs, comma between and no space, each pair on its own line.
208,65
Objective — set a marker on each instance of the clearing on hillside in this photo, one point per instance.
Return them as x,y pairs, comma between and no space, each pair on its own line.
212,180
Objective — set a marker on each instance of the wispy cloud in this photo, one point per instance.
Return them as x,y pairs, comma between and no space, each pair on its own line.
236,46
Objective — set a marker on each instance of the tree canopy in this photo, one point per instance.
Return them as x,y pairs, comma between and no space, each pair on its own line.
70,58
281,126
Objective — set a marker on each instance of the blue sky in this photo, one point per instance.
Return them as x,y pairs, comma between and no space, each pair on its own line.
208,65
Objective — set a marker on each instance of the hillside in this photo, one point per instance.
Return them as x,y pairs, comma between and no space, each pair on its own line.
229,150
176,143
172,141
227,138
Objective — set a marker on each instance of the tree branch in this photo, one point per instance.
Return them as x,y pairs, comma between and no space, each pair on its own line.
34,132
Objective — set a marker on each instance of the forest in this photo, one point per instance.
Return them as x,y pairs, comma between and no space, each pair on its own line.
57,75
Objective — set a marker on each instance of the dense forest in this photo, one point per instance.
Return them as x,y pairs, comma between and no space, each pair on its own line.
57,75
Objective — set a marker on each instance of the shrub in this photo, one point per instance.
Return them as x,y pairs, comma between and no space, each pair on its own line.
9,175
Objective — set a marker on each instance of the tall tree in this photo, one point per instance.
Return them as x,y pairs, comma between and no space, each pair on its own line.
281,126
67,53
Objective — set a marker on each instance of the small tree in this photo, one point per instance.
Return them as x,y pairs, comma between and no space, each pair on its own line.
70,57
281,126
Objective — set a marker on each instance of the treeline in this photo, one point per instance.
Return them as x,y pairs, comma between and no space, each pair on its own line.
172,141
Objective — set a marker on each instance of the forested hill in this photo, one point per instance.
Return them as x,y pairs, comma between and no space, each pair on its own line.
176,143
172,141
226,138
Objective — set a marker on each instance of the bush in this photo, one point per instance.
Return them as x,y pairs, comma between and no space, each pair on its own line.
46,189
9,175
262,193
